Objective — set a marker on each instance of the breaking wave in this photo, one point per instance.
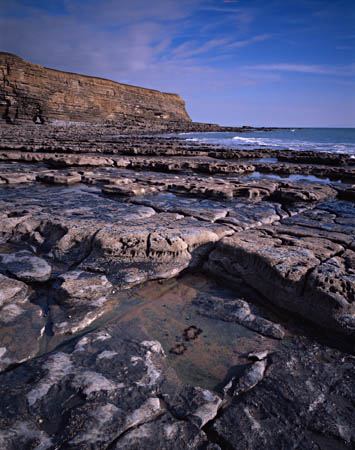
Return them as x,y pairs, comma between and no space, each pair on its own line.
333,140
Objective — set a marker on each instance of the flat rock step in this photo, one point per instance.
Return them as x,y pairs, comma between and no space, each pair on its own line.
306,264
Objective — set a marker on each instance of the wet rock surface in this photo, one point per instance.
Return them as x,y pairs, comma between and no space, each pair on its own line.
21,323
239,311
304,264
25,266
157,293
281,411
80,299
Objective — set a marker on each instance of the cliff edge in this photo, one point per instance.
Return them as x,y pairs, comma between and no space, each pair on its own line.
30,92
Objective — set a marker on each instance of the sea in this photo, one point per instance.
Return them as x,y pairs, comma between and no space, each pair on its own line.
334,140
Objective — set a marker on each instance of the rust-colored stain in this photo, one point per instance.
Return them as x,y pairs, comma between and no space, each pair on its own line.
191,333
178,349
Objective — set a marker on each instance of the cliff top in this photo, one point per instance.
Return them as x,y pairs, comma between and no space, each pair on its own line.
31,92
86,76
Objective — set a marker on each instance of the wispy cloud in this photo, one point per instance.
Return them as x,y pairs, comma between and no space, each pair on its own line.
252,40
191,48
122,11
347,70
242,16
207,50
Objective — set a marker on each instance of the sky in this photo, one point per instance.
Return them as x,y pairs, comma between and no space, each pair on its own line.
234,62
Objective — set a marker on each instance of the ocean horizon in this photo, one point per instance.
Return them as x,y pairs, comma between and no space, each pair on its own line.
334,140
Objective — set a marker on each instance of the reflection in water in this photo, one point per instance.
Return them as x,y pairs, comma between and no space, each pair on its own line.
292,177
203,351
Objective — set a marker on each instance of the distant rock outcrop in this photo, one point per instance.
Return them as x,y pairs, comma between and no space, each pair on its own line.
30,92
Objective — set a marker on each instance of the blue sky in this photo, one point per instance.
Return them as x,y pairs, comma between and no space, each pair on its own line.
246,62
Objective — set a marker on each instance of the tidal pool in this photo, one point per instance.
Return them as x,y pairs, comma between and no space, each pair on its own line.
203,351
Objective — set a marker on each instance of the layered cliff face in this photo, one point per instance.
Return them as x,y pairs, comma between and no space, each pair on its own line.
29,92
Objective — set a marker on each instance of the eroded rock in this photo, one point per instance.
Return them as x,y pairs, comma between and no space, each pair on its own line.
80,299
11,291
284,263
25,266
239,311
164,432
252,376
179,205
303,401
107,385
21,323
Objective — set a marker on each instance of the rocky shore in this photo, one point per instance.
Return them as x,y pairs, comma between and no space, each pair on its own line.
160,294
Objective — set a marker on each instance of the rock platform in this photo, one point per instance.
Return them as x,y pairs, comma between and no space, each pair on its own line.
160,294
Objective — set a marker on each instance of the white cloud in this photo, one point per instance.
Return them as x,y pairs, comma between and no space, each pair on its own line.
63,43
191,48
110,37
242,16
115,12
160,44
306,68
258,38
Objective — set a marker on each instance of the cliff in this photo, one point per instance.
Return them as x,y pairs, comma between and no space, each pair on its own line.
30,92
